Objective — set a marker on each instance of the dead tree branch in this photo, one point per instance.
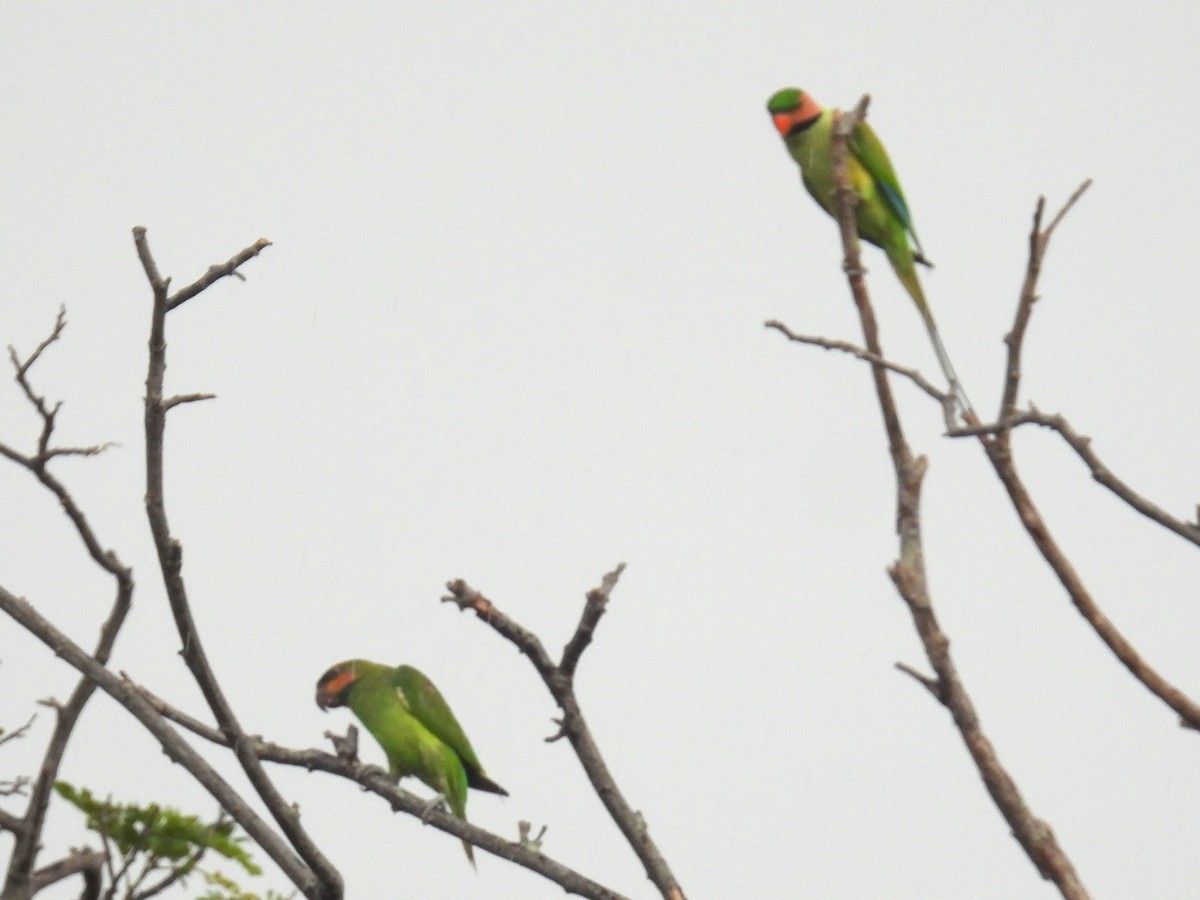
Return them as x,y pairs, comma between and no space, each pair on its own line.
999,452
1101,473
20,878
908,572
942,397
172,743
378,782
170,556
559,680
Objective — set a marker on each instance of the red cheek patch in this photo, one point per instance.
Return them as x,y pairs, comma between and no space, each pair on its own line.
338,683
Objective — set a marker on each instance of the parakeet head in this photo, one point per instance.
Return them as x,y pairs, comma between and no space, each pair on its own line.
334,685
792,110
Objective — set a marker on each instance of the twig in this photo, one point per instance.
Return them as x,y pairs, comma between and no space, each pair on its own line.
215,273
178,872
942,397
186,398
14,787
930,684
45,411
175,747
378,782
28,837
328,882
999,453
559,679
908,573
17,732
1101,473
1039,240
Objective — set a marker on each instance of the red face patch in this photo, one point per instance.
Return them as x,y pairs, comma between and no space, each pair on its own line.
783,121
331,685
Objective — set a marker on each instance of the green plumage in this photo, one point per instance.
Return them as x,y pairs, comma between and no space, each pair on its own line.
413,724
882,216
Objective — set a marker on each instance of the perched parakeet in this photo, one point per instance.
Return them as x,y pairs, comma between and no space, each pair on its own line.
882,216
406,714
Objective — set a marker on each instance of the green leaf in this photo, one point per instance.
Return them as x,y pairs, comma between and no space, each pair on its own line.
156,832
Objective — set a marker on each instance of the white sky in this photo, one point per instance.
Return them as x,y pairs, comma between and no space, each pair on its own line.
510,330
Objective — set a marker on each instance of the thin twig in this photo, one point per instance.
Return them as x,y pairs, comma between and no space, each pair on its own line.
171,402
178,872
942,397
559,679
930,684
20,872
16,733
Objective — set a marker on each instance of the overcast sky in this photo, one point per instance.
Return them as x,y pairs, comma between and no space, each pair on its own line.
510,330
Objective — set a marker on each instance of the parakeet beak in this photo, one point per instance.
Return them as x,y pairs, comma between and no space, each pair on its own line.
784,122
333,685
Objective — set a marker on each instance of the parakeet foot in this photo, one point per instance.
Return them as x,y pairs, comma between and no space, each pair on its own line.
437,802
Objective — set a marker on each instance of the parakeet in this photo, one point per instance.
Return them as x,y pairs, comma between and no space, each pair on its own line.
882,216
406,714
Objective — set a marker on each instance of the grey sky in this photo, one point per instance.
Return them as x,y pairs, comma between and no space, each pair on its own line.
510,330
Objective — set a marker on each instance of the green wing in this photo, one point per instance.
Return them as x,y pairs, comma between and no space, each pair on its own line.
427,706
869,151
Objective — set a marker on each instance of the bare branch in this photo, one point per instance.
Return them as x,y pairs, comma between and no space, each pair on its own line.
216,273
87,863
378,782
60,323
176,748
597,600
908,573
1082,445
1066,208
999,453
20,869
170,559
930,684
1039,240
559,679
178,716
17,732
8,822
186,398
942,397
15,787
45,411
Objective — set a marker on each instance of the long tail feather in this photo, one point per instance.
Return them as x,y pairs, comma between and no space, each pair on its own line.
902,263
939,348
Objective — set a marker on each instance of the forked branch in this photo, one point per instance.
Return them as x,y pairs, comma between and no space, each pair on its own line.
328,882
908,573
376,781
559,680
1000,453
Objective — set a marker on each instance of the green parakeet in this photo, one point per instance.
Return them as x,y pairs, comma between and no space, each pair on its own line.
406,714
882,216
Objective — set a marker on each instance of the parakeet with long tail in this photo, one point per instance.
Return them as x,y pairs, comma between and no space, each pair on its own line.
882,216
406,714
